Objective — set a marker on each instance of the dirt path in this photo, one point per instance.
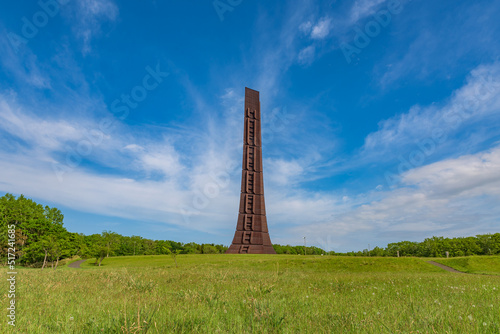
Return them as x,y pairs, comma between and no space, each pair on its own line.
76,264
442,266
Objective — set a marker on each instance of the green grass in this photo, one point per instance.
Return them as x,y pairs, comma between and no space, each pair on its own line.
271,262
256,294
489,265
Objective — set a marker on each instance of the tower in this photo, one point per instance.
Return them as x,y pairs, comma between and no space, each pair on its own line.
252,235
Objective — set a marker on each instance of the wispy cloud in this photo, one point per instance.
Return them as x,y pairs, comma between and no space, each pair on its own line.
327,32
167,187
321,29
306,55
454,197
281,50
315,31
467,176
478,100
465,32
187,175
283,172
363,8
89,17
38,133
442,198
23,65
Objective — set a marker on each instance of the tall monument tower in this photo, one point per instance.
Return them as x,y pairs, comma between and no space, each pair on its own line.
252,235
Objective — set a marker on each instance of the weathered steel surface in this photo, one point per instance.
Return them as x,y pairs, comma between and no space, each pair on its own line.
252,235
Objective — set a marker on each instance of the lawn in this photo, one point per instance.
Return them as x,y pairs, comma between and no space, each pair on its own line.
489,265
256,294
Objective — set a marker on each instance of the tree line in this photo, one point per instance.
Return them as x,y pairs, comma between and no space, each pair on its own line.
41,240
485,244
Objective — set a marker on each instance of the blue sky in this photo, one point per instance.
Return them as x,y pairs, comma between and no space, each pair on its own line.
381,119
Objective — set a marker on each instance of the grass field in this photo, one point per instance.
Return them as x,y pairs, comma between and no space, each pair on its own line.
489,265
257,294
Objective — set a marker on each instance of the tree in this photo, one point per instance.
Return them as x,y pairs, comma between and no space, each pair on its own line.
48,244
174,255
100,252
377,251
33,224
98,248
110,240
60,249
191,248
209,249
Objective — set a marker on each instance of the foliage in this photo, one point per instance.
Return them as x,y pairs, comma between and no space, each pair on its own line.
40,234
41,238
298,250
487,244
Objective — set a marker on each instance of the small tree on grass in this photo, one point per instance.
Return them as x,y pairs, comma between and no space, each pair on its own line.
97,249
111,240
173,254
60,249
100,252
47,245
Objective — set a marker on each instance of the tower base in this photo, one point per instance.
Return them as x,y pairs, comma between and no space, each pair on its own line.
250,249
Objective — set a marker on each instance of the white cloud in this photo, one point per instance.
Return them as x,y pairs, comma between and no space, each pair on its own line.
96,8
455,197
452,197
363,8
200,186
189,192
134,147
40,133
282,172
306,27
428,128
80,190
321,29
470,175
88,17
23,65
201,168
306,55
424,55
163,158
316,32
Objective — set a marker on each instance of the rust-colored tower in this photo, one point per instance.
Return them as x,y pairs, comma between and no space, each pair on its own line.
252,235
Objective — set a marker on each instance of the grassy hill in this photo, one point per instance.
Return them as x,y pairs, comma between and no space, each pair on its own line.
256,294
489,265
289,263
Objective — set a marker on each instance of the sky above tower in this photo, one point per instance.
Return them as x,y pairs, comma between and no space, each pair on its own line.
381,118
